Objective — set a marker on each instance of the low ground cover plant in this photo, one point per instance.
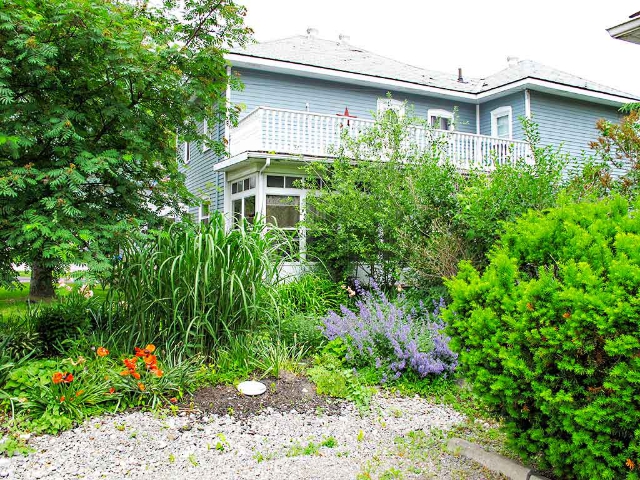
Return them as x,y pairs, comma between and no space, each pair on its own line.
548,336
50,395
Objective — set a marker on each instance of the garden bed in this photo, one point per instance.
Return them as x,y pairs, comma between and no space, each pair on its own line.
289,392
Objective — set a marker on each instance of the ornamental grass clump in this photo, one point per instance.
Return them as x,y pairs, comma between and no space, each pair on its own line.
390,337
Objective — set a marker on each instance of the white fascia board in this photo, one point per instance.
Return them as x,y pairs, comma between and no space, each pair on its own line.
556,89
625,28
407,87
277,66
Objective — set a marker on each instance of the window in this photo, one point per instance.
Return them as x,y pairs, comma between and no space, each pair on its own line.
281,181
389,104
204,213
243,200
243,185
501,123
284,211
440,119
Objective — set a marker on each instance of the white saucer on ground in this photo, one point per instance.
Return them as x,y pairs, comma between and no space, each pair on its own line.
252,388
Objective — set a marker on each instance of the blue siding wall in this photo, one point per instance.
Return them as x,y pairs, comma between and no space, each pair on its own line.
569,122
293,92
201,178
515,101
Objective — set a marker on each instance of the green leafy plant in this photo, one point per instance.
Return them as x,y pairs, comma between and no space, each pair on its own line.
64,320
332,377
547,335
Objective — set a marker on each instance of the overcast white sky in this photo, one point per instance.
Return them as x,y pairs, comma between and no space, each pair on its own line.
476,35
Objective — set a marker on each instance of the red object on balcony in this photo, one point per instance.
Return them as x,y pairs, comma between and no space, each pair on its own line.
346,115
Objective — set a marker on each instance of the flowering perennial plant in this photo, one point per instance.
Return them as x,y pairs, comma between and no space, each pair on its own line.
386,335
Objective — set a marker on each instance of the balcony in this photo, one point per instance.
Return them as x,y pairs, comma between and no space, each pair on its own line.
292,132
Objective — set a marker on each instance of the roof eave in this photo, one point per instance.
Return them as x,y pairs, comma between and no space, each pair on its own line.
279,66
628,31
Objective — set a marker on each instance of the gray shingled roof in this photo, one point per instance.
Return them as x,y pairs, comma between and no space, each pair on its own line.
344,57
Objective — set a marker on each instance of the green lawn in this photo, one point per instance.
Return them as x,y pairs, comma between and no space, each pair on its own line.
14,301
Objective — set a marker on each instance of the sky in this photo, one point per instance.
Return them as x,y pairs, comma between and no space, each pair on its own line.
475,35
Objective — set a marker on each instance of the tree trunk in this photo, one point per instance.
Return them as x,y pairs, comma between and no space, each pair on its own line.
41,287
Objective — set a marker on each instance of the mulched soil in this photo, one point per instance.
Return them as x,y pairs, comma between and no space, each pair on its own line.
284,394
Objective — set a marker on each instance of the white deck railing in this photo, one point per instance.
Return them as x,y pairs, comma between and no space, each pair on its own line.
276,130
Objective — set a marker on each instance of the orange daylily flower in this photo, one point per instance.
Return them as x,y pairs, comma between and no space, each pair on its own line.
67,377
102,352
173,400
566,315
112,390
148,350
124,373
79,392
141,386
62,398
629,463
135,375
130,363
57,377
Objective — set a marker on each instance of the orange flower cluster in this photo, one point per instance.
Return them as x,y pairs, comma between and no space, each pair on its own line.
130,363
150,360
630,464
102,352
60,377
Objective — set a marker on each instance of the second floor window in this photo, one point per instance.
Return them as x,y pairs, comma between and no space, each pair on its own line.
390,105
501,123
440,119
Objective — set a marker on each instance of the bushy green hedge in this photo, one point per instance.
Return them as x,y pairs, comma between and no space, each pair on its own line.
548,335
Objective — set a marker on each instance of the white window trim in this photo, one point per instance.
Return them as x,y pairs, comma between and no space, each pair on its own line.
205,132
501,112
441,113
385,104
186,153
201,215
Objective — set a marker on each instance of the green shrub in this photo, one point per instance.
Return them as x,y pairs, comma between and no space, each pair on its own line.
66,319
548,336
302,329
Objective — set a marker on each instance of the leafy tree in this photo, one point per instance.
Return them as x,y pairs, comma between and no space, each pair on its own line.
92,93
380,199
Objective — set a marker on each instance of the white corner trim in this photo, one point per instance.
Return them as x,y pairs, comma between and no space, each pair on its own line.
624,28
227,127
477,119
501,112
527,103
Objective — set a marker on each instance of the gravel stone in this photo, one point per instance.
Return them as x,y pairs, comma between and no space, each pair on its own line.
265,446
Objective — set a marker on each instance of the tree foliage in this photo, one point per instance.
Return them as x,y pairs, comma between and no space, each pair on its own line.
92,93
404,212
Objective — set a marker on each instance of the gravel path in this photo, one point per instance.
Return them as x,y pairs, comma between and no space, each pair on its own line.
400,437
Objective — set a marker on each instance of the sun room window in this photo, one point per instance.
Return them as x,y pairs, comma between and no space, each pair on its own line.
243,200
440,119
501,123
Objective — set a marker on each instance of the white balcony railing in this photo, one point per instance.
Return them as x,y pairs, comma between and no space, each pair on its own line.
293,132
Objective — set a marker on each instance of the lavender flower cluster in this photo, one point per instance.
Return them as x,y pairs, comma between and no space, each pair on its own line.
385,334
